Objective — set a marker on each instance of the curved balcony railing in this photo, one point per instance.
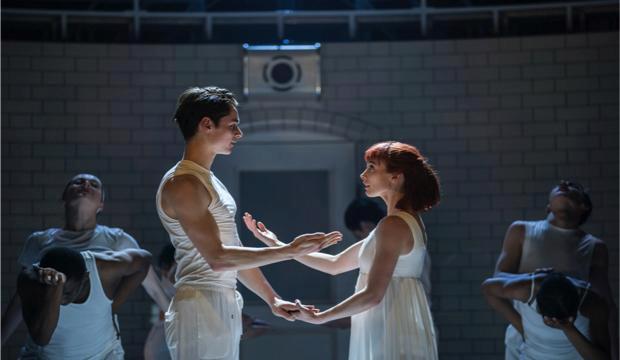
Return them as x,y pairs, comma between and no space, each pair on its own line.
421,15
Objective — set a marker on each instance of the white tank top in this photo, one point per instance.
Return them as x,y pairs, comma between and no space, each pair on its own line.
84,331
544,342
408,265
192,269
567,251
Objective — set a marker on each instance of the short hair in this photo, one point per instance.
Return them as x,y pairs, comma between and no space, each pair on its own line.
197,102
166,256
360,210
585,198
68,261
557,297
64,191
422,189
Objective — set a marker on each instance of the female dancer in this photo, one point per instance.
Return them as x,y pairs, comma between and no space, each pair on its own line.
391,318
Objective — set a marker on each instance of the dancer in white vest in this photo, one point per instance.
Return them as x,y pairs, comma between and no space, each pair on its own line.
558,242
204,318
83,198
559,318
68,302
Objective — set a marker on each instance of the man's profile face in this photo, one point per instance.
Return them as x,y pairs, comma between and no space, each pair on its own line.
226,133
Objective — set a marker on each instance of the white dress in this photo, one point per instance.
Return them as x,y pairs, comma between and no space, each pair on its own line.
401,326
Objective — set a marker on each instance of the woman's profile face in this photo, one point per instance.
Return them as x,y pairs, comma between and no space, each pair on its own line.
375,178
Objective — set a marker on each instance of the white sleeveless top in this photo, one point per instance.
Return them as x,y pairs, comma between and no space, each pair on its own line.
408,265
566,250
84,331
192,269
544,342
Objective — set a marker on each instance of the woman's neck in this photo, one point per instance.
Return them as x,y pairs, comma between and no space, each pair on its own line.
391,199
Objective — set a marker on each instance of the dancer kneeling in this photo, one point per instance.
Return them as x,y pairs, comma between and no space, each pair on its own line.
68,300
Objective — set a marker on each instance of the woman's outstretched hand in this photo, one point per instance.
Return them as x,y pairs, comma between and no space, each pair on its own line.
302,244
260,231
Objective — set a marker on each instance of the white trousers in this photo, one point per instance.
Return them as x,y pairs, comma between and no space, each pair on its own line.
204,324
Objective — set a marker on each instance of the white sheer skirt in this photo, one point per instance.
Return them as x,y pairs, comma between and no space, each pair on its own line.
204,324
400,327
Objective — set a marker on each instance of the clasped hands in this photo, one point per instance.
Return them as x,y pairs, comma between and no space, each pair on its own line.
296,311
302,244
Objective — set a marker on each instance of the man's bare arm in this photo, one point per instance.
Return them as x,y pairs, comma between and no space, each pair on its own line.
122,272
11,318
599,278
595,347
344,261
254,280
40,305
500,291
510,257
189,200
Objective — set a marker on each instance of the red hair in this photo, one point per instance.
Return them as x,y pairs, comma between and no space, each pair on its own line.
421,181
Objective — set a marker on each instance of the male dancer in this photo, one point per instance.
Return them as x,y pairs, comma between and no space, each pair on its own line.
83,198
558,242
559,318
204,319
69,298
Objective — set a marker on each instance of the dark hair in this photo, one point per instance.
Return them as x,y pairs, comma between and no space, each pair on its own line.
166,257
68,261
195,103
362,210
421,181
64,191
557,297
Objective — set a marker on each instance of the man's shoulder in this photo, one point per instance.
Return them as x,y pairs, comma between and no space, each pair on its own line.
519,227
528,223
600,250
117,238
42,237
593,239
183,183
524,228
109,230
187,188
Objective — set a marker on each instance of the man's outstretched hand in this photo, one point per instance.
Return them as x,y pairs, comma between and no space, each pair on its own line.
309,243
